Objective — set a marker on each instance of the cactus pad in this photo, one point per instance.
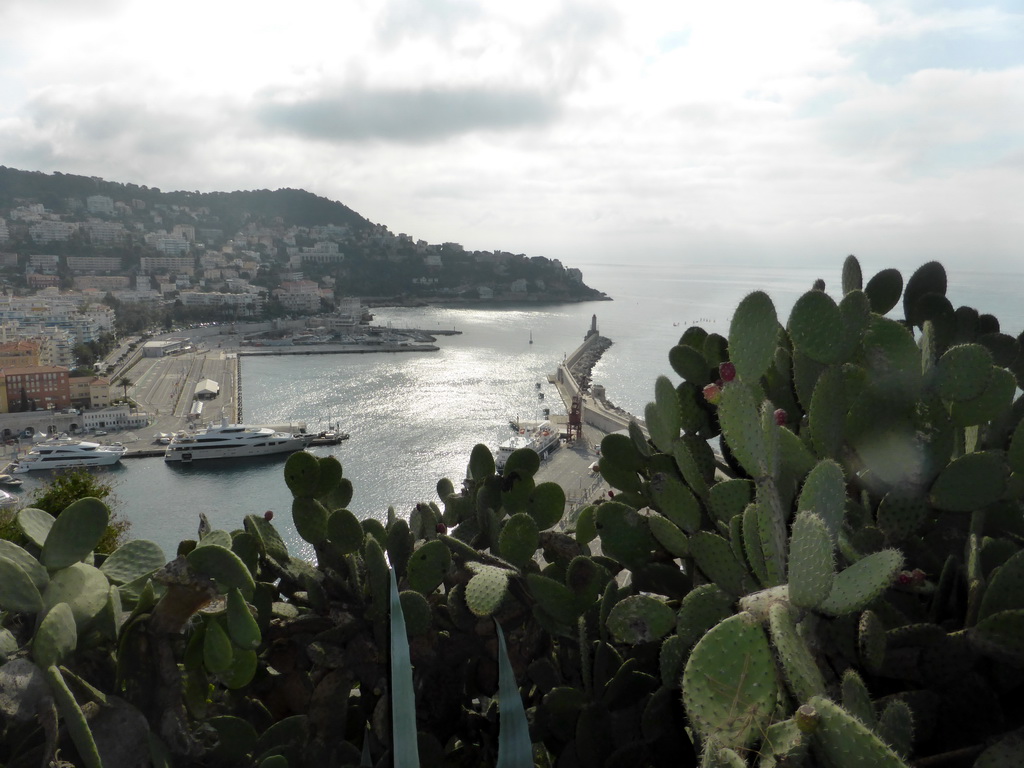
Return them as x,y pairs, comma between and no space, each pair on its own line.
82,587
841,739
417,613
753,336
970,482
963,372
302,474
640,619
35,524
871,641
224,567
75,533
669,536
716,560
990,404
18,593
481,462
729,498
675,501
546,504
811,565
862,582
344,531
853,280
56,637
928,278
241,625
486,590
729,683
800,672
884,290
518,539
896,727
428,566
690,363
824,493
741,426
133,560
663,417
816,327
625,534
310,518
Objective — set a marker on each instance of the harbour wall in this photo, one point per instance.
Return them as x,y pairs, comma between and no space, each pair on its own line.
567,379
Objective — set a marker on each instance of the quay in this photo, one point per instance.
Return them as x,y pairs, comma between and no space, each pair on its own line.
573,465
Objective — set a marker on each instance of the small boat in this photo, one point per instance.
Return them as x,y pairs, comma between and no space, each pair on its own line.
10,481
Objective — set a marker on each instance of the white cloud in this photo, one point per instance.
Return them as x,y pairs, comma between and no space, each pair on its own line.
562,128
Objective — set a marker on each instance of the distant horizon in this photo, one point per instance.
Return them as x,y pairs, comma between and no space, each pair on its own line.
733,255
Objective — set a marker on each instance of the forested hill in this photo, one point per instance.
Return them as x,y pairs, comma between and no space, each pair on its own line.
294,207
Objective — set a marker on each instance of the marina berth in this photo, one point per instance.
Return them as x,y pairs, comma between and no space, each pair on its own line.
230,441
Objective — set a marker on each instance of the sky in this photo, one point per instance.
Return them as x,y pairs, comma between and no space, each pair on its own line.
636,130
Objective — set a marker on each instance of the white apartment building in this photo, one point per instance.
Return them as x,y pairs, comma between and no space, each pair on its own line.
171,245
100,204
82,264
5,234
104,232
50,231
44,262
245,304
160,264
299,296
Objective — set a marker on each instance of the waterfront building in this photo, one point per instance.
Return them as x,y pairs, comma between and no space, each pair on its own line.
89,391
34,387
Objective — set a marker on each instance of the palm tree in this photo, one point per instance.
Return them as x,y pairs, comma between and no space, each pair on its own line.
125,382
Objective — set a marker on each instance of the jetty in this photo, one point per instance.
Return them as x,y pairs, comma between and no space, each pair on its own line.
590,418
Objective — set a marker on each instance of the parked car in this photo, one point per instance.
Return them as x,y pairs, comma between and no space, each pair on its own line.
100,433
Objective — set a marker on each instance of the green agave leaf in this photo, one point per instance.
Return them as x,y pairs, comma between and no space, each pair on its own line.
403,696
514,747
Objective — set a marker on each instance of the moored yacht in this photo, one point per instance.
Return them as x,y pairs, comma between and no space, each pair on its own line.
64,454
542,438
229,441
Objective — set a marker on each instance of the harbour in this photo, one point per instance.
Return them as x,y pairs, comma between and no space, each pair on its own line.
414,418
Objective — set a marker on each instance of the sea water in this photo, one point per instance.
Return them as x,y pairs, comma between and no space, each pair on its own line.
413,418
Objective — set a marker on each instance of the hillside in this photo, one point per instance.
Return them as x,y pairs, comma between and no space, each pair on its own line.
276,228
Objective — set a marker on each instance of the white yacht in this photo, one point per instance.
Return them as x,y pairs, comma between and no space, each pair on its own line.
229,441
542,438
64,454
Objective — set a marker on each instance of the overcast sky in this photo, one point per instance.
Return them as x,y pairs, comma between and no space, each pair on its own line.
585,131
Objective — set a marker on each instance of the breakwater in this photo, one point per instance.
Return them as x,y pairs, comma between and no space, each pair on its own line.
572,379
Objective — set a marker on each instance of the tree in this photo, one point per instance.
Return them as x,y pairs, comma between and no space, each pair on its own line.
125,382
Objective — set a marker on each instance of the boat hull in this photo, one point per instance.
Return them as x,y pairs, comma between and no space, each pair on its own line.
26,465
187,453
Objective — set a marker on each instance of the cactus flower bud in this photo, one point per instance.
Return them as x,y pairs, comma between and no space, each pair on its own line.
268,515
441,528
712,393
781,416
727,371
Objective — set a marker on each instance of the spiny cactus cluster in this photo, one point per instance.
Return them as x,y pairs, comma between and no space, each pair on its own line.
813,557
862,523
